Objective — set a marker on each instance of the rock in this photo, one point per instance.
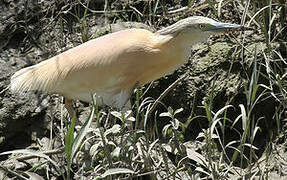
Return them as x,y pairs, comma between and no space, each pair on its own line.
97,31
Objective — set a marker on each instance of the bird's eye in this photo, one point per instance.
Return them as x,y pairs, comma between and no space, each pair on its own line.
202,26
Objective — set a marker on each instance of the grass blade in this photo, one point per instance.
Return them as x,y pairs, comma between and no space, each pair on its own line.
82,133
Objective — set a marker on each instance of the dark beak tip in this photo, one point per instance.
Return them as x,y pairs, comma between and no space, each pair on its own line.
245,28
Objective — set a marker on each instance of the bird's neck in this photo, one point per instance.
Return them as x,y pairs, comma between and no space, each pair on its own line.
177,46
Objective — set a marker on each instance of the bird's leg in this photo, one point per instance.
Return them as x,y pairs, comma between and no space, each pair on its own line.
137,84
69,106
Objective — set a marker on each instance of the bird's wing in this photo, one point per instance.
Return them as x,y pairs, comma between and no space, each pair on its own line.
107,64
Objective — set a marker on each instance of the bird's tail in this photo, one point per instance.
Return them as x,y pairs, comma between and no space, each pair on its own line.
37,77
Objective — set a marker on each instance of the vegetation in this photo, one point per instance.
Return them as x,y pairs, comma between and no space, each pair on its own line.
236,139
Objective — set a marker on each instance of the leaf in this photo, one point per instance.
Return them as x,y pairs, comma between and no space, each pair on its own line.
95,148
202,171
34,176
229,145
175,124
128,116
123,116
186,124
216,119
69,139
170,110
33,153
165,130
255,131
165,114
113,130
128,113
114,171
131,119
213,125
116,152
190,3
117,114
82,133
178,111
200,135
254,91
235,121
170,149
221,111
152,146
155,7
191,154
244,118
251,146
208,111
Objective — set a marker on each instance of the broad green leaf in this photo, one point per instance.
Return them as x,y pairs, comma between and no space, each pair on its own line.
69,139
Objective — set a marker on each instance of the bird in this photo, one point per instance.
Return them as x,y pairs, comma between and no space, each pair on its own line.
111,66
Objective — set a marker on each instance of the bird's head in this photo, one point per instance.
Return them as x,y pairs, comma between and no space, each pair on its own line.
198,28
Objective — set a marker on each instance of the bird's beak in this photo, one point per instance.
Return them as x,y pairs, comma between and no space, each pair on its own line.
224,27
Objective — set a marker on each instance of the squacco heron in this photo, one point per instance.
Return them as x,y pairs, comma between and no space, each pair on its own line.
112,65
